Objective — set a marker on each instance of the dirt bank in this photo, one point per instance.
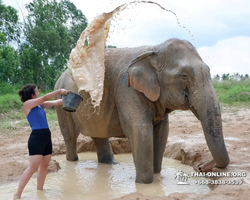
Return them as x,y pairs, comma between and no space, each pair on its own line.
186,143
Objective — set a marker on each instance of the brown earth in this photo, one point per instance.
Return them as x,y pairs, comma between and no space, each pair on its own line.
186,143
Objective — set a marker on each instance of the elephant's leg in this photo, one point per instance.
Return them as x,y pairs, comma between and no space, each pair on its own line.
69,132
104,151
141,141
136,121
160,139
140,135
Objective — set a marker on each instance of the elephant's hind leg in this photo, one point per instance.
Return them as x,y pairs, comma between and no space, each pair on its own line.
104,151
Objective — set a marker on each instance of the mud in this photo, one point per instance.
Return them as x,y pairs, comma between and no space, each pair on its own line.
186,143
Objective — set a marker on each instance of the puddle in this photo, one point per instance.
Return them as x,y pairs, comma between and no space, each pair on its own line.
91,180
232,138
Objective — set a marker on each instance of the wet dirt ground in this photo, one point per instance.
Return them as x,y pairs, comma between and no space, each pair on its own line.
186,143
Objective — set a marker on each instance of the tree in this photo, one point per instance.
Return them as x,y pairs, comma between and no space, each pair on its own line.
9,63
9,24
216,78
52,29
225,76
9,32
30,69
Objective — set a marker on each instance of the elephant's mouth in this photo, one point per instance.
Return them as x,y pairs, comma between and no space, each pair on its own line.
186,103
194,111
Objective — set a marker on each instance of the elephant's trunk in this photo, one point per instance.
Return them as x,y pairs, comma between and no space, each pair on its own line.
207,108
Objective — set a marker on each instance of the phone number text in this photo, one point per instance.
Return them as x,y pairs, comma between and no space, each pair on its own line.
219,182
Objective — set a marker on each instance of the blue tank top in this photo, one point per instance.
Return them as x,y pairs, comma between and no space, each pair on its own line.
37,118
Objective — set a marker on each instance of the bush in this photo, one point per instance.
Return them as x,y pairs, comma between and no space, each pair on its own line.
9,102
9,98
9,89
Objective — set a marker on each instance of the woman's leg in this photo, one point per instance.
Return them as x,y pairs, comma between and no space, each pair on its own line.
43,171
27,174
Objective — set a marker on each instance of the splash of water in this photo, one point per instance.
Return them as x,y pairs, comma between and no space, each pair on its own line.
86,63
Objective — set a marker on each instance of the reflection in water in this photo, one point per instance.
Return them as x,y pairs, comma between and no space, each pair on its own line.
91,180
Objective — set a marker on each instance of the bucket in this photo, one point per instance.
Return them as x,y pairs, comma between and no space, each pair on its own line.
71,101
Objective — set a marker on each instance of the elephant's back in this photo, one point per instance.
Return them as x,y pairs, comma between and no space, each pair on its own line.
122,57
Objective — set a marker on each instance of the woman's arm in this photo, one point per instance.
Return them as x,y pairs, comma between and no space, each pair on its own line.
48,104
31,103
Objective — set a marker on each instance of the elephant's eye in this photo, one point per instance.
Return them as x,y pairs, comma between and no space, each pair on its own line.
182,76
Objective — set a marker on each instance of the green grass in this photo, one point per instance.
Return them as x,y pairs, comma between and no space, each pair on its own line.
9,98
233,93
11,113
9,102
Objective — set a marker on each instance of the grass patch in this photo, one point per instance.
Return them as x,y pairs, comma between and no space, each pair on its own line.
9,102
233,93
15,119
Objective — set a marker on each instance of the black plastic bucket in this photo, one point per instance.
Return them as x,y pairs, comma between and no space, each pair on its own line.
71,101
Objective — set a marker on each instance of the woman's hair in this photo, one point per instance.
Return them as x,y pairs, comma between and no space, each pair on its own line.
27,91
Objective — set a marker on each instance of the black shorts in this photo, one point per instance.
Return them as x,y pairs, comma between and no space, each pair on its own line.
39,142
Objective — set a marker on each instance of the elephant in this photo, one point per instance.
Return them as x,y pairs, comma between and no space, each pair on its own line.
142,86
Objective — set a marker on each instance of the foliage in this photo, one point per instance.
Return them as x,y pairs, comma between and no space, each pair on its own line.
9,34
9,24
9,89
8,65
9,102
233,92
52,29
233,77
31,68
9,98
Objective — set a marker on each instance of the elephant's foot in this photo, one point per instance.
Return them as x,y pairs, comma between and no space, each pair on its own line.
206,167
71,157
144,179
107,159
104,151
157,169
71,153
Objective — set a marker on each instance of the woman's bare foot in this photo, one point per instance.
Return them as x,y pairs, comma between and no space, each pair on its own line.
16,197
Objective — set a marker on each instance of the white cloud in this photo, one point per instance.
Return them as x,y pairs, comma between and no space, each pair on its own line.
230,55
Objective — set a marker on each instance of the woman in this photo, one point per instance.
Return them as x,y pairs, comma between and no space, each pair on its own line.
39,143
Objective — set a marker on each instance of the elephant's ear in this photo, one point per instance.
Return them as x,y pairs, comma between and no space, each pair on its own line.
142,76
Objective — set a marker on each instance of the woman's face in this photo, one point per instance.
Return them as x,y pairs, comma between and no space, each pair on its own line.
36,93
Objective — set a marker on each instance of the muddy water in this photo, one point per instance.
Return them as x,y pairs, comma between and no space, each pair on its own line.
89,180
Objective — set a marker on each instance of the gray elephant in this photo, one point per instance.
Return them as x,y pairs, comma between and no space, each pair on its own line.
142,86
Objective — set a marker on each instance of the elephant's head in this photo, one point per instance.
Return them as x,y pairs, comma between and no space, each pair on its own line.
174,75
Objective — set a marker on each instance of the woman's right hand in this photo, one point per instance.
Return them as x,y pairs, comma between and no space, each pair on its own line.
63,92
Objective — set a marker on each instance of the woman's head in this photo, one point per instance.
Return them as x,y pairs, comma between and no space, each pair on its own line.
27,92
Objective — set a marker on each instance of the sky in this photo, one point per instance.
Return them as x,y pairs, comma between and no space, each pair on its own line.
219,29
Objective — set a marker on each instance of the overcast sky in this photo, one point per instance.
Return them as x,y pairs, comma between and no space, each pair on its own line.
219,29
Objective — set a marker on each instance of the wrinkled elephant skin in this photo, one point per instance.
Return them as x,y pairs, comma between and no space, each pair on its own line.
142,86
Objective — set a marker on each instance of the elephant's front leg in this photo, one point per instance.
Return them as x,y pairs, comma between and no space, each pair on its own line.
136,121
104,151
141,141
160,140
